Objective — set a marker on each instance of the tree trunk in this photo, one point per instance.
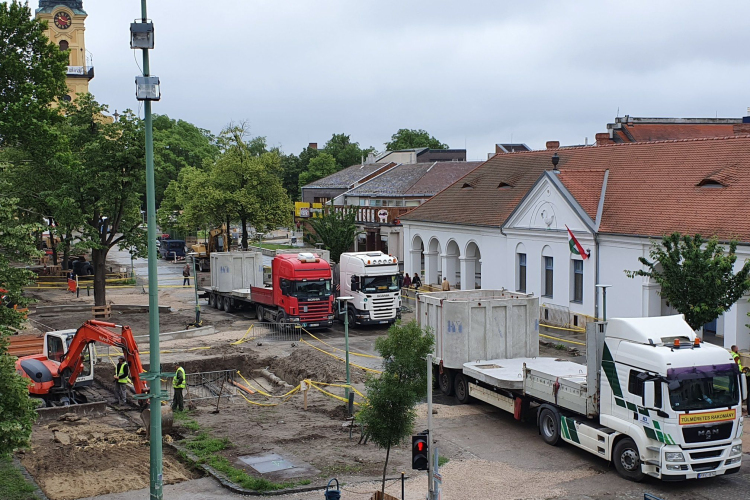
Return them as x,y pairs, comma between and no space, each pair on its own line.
244,234
66,250
98,258
385,468
52,244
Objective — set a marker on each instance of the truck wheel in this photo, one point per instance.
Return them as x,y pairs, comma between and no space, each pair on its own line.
281,317
211,300
351,317
260,311
219,302
227,305
627,460
549,426
462,388
445,381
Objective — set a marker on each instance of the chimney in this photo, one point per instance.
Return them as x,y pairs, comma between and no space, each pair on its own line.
313,145
603,138
553,144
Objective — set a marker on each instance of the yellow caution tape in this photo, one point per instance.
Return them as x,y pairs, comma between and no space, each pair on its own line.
576,330
238,342
260,391
345,387
340,359
313,385
561,340
342,350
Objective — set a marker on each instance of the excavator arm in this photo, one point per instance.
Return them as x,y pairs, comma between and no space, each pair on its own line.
98,331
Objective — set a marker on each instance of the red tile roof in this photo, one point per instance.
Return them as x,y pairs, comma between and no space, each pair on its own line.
586,187
653,187
640,132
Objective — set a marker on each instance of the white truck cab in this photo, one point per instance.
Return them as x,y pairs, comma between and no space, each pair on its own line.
374,282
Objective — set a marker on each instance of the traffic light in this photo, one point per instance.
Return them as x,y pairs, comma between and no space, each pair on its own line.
420,451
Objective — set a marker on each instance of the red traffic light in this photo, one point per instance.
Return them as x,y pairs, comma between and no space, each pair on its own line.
420,450
420,446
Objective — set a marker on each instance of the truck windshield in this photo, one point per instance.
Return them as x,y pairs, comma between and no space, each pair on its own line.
703,387
374,284
311,289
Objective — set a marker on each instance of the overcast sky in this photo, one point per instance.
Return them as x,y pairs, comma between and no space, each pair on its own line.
472,73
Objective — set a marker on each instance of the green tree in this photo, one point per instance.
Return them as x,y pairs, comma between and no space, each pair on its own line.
389,414
336,229
321,166
411,138
346,152
32,75
291,167
103,182
17,413
178,144
696,276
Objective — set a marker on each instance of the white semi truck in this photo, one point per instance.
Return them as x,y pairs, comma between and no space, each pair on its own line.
374,282
652,398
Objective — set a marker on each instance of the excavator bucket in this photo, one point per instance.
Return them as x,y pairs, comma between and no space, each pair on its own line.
167,420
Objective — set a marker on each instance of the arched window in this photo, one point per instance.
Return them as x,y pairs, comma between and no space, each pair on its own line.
67,98
63,45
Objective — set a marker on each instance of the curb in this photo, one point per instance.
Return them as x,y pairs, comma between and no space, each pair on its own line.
38,491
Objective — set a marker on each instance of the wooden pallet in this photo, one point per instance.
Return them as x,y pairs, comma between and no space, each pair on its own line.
102,312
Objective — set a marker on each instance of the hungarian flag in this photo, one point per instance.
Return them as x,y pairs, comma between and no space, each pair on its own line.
576,247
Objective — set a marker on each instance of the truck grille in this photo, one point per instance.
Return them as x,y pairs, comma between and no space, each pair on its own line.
706,454
707,433
314,311
706,466
382,307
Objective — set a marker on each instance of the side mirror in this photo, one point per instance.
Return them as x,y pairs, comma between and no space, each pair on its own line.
355,284
743,383
649,395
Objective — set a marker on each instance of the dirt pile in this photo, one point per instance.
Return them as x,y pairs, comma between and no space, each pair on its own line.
309,363
75,458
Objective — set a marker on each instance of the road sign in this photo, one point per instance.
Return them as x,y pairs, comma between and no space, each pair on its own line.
383,215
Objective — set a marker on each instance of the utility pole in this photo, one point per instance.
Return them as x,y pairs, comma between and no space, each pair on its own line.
153,376
430,494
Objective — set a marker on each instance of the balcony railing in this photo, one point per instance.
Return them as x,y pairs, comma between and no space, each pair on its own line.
81,71
376,215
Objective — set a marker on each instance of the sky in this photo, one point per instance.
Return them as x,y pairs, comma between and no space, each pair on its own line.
472,73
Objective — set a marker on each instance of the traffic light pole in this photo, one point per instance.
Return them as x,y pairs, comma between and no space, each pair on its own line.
430,493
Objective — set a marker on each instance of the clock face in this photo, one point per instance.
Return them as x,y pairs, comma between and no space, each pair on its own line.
62,20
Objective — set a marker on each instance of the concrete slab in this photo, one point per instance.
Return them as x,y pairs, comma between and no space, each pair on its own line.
270,462
508,373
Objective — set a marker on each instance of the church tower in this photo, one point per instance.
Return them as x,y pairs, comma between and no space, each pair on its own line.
65,28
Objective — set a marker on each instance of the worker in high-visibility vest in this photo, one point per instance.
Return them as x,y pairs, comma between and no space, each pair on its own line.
178,384
122,379
736,355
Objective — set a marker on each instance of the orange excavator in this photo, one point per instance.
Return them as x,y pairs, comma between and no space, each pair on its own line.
53,375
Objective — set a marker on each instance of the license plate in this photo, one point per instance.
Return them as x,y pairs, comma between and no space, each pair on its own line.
706,474
314,324
383,322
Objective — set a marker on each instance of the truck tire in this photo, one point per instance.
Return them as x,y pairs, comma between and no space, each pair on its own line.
445,381
352,318
260,311
461,386
627,460
212,300
219,302
227,305
549,425
281,317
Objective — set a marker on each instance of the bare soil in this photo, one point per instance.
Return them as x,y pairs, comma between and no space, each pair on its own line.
85,458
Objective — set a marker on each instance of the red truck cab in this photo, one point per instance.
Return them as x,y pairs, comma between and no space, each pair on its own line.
301,290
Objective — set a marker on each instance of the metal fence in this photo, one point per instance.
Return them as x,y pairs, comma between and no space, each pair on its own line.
276,332
206,386
562,317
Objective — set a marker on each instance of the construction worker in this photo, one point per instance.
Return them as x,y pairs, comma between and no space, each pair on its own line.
736,355
122,379
178,384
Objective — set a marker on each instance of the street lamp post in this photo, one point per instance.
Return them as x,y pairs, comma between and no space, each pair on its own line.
147,90
343,302
604,300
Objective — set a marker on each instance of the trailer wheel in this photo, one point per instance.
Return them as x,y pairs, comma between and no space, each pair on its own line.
549,426
227,305
445,381
627,460
462,388
219,302
211,300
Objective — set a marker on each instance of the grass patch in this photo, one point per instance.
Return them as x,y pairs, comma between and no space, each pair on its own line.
560,347
183,417
206,449
13,486
443,460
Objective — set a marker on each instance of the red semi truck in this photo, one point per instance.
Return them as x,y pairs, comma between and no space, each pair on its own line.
299,291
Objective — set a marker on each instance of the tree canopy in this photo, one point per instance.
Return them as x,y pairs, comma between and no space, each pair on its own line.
411,138
344,151
32,75
696,276
321,166
388,414
336,229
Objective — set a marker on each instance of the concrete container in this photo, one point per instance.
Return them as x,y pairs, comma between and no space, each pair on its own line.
236,271
472,325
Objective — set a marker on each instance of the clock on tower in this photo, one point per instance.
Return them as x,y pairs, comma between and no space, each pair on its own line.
65,28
